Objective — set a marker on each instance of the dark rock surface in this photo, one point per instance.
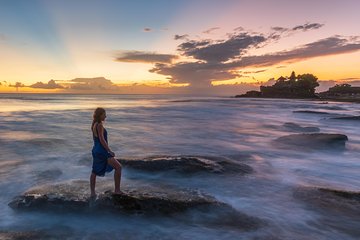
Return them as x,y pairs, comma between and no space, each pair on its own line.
73,196
187,164
297,128
348,118
22,235
313,140
47,234
332,199
338,209
312,112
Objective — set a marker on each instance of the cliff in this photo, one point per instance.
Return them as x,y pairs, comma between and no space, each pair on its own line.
302,86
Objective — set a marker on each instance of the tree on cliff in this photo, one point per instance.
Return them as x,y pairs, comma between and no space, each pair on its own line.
308,81
292,76
340,88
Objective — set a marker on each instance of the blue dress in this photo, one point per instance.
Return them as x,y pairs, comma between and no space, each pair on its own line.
100,156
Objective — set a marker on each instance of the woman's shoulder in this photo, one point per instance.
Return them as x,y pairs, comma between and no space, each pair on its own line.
100,125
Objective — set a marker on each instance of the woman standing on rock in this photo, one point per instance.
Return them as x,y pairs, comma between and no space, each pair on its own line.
103,157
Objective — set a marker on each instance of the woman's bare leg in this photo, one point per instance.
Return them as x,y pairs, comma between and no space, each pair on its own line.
117,174
92,184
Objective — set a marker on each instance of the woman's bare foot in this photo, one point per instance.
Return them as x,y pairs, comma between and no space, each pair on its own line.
93,195
118,192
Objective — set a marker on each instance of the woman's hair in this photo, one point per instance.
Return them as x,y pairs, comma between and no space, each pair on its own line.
97,116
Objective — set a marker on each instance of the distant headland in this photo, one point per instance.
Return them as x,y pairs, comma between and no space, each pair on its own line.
303,86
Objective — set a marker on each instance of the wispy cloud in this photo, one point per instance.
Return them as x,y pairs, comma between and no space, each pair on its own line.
307,26
257,71
304,27
180,37
211,30
144,57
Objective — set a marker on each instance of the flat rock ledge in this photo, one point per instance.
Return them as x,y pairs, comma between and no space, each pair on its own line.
348,118
326,141
73,196
187,164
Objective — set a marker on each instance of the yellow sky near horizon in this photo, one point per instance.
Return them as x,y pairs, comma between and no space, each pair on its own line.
40,41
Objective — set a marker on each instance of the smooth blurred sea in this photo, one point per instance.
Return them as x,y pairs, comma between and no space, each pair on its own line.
46,138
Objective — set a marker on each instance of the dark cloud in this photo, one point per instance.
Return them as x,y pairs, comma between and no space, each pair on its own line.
220,51
257,71
202,73
307,26
195,73
191,44
180,37
239,29
50,85
217,60
145,57
279,29
210,30
147,29
324,47
304,27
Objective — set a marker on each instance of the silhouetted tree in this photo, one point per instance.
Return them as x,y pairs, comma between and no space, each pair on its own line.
17,85
309,80
340,88
292,76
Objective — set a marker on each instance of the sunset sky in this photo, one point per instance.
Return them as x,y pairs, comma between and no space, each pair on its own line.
161,46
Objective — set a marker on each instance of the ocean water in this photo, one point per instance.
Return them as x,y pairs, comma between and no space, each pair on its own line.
46,138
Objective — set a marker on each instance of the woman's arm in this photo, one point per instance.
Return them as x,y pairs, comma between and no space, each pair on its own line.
101,137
